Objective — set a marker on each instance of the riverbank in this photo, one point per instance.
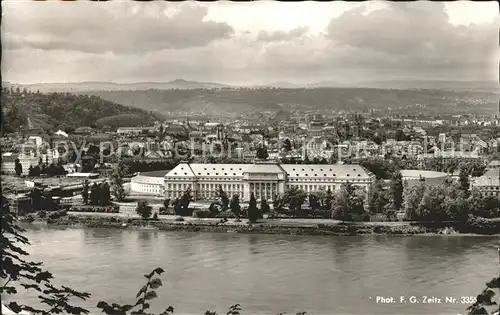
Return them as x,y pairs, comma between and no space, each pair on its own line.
269,226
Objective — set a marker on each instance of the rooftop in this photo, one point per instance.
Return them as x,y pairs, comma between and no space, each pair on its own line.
420,173
292,170
159,173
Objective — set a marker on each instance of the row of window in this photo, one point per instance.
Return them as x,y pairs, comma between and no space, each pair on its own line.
147,188
311,187
490,188
290,179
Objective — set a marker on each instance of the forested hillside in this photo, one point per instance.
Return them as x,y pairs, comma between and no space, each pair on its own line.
243,100
25,109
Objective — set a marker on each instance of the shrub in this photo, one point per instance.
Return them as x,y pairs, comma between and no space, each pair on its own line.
29,218
58,214
179,219
483,226
228,214
199,213
42,214
143,209
155,216
97,209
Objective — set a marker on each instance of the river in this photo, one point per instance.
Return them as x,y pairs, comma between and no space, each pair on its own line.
268,274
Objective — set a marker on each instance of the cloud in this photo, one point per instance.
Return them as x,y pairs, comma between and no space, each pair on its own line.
160,41
282,36
416,35
100,28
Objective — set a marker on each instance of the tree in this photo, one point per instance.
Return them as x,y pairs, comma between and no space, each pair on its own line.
105,194
381,168
143,209
34,171
377,198
457,209
85,192
432,206
18,167
117,182
181,205
463,179
224,200
287,145
328,199
277,202
294,198
186,199
234,205
18,271
95,194
321,195
262,152
413,197
253,211
264,206
314,202
177,206
396,190
166,203
37,199
348,205
483,206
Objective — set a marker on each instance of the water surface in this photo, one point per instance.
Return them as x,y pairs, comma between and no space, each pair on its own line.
268,274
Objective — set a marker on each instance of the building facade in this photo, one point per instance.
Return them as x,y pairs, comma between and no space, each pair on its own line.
489,183
149,183
26,161
265,179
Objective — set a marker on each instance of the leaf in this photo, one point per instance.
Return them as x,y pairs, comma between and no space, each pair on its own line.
150,295
102,305
15,307
158,271
31,286
155,283
9,290
43,276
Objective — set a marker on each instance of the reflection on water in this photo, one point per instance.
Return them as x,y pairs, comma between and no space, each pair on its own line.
268,273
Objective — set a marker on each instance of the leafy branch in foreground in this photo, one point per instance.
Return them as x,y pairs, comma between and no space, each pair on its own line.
485,299
147,293
17,271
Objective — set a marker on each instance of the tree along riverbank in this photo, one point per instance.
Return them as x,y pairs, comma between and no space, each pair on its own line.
477,226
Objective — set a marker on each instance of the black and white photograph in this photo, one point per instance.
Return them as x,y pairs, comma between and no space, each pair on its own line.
250,157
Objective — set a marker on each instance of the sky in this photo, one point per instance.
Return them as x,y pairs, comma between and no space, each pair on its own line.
258,42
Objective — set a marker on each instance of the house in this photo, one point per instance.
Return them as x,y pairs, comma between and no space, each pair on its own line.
134,130
489,183
84,130
264,179
495,164
26,161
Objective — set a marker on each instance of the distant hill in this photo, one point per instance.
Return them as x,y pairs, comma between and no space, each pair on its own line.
111,86
477,86
182,96
91,86
66,111
245,100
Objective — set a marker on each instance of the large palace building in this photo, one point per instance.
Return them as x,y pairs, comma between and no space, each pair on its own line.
264,179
